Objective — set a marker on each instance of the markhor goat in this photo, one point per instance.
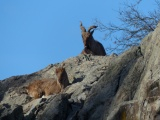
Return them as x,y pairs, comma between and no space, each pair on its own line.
91,46
46,87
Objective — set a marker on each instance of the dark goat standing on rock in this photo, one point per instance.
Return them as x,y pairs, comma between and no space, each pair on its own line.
91,46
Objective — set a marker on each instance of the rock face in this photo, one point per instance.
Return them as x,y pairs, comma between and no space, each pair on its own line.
124,87
8,112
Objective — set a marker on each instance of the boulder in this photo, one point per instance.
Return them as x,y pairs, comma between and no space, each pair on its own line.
8,112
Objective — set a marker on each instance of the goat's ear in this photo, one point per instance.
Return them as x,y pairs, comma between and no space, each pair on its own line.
82,28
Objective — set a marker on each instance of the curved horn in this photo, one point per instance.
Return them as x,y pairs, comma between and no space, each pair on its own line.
82,28
92,27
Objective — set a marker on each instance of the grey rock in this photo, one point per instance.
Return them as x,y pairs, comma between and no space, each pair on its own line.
55,108
8,112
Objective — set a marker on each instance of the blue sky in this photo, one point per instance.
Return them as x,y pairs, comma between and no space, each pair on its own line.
36,33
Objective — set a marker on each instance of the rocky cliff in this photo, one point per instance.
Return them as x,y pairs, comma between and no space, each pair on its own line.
124,87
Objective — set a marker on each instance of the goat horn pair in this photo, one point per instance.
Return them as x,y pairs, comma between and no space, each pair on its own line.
90,28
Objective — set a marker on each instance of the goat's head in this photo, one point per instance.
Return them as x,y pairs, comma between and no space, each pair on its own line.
62,77
59,72
86,35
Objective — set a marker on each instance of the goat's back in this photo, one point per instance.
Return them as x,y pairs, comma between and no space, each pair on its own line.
97,48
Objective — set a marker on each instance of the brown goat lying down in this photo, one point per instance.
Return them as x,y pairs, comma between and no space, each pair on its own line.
95,47
46,87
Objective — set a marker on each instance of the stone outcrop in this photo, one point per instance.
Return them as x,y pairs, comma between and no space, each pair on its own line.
14,112
124,87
